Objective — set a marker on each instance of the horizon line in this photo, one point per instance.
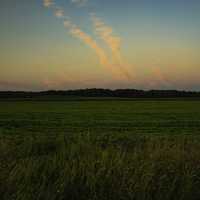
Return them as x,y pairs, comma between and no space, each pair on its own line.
93,88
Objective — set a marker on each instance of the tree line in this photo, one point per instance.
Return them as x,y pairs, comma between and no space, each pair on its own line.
95,92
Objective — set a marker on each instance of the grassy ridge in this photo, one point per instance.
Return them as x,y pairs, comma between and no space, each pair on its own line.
86,167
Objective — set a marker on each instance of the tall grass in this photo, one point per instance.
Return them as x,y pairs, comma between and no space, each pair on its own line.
91,167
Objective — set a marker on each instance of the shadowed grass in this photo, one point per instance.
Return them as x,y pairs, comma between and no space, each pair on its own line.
89,166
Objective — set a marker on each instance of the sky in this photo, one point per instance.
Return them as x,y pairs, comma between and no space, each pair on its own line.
71,44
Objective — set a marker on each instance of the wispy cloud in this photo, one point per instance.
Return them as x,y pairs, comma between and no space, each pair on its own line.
75,31
115,65
48,3
59,12
105,32
87,39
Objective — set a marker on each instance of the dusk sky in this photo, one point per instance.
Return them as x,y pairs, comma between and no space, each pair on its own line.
69,44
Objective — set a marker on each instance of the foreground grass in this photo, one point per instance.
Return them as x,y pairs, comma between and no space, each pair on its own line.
102,167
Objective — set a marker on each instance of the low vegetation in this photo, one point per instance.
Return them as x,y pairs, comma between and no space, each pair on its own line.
86,167
100,150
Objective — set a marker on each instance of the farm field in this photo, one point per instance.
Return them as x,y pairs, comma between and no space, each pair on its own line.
143,117
94,149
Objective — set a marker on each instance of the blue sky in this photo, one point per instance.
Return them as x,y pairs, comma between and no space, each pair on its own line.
159,43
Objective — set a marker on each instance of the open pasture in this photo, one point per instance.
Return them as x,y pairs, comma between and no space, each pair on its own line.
100,116
100,150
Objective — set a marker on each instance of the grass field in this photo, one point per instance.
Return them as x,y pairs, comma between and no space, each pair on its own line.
144,117
142,150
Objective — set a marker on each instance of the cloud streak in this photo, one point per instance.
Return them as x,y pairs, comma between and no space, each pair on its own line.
59,12
113,61
48,3
105,33
89,41
78,33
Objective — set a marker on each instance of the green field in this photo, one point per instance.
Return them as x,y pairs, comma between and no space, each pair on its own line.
100,150
144,117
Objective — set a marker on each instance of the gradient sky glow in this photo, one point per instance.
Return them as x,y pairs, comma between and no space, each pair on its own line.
155,44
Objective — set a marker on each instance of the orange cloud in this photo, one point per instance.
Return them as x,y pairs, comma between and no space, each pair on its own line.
105,32
59,12
48,3
88,40
113,42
